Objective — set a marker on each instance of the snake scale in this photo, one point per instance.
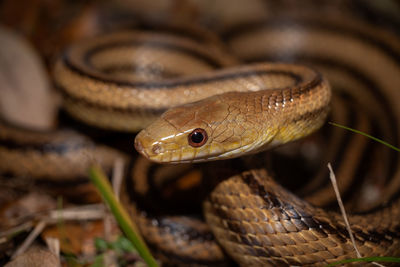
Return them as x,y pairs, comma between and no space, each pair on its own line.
221,106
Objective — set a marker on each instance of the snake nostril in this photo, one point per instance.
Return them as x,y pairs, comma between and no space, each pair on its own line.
157,149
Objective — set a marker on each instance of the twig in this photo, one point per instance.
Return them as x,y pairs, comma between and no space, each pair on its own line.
343,211
117,176
87,212
116,180
378,264
31,237
17,229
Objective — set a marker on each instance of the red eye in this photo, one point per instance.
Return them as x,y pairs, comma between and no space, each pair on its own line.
198,137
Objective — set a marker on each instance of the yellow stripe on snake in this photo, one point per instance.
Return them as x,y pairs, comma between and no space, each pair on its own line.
220,108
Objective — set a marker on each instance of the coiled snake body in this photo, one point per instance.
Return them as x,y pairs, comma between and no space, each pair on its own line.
247,109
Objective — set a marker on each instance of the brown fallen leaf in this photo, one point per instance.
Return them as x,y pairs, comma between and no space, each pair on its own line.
77,238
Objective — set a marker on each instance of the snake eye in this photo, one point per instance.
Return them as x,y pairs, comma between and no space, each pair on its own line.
198,137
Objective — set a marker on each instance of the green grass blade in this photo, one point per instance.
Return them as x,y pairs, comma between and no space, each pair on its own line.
100,180
367,135
366,259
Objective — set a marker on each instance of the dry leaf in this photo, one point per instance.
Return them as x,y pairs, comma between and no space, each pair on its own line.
77,238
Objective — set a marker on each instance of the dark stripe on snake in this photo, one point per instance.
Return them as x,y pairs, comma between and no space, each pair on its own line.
190,233
308,25
66,183
310,114
60,147
154,44
175,83
49,181
371,14
308,222
57,148
136,69
195,34
137,110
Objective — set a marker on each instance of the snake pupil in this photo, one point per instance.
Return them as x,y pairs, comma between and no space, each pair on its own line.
198,137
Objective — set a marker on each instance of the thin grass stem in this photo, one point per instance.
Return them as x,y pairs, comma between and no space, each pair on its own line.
367,135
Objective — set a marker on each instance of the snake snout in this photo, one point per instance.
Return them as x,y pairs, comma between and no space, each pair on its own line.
138,146
147,148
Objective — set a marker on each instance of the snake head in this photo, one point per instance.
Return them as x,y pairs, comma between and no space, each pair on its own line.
209,129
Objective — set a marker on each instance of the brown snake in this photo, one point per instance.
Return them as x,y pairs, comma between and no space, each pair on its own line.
255,220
